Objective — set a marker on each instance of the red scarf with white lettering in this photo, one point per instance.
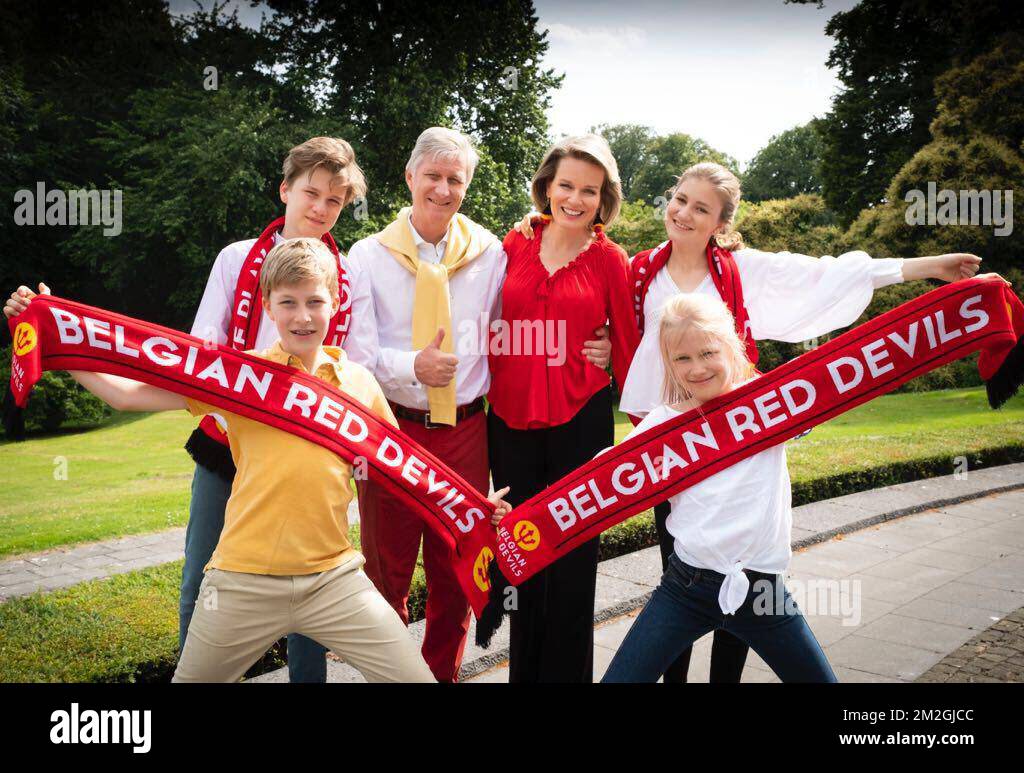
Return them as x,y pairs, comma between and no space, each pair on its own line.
57,334
943,325
247,312
946,324
724,273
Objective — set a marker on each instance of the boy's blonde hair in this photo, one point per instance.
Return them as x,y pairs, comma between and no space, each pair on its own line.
711,317
592,148
297,260
330,153
727,186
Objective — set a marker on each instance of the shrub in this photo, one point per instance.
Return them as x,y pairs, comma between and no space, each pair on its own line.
801,224
57,400
639,227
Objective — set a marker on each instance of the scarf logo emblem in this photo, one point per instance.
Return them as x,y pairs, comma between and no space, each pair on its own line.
24,339
526,535
480,567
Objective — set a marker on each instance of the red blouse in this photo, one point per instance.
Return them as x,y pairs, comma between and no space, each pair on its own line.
539,376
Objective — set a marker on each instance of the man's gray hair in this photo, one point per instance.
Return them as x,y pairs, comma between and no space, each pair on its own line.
439,142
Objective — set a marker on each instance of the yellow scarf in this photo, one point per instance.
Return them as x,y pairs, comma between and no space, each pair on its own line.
431,303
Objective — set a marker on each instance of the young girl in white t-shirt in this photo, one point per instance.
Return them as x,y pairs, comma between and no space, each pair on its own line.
731,531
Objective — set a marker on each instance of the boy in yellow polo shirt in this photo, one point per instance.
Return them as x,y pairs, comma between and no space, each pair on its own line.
284,563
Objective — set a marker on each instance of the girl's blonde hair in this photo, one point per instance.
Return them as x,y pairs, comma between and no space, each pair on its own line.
727,186
592,148
711,317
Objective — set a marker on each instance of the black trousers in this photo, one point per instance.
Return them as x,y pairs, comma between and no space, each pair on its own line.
552,622
728,654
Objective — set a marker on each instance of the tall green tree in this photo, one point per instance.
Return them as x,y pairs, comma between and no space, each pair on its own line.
887,54
666,158
985,96
69,87
629,143
198,170
790,164
639,227
975,149
390,70
798,224
61,82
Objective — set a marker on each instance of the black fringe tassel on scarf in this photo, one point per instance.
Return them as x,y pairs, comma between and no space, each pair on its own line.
1009,378
214,456
490,620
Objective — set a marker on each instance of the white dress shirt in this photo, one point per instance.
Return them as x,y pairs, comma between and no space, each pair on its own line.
789,297
739,518
213,318
386,346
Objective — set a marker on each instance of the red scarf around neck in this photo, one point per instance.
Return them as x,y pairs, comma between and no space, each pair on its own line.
724,273
57,334
247,312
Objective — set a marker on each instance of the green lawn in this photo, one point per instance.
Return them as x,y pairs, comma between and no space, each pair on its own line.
130,476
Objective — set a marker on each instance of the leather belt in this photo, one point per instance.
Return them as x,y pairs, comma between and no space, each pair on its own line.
462,413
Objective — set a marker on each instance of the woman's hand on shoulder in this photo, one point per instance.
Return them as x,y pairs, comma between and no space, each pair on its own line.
525,226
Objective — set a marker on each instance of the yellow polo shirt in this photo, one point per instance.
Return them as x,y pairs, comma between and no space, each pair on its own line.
288,511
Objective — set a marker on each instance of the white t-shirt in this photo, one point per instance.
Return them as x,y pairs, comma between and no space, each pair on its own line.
739,518
789,297
382,341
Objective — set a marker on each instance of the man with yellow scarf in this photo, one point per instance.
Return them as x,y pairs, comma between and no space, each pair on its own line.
434,278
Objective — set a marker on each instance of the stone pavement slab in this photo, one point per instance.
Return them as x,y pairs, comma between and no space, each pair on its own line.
53,569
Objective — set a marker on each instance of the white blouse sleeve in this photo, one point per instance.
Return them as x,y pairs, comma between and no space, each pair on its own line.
213,317
792,297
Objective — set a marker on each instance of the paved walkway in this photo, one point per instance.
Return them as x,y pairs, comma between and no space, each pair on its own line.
995,655
928,583
936,562
53,569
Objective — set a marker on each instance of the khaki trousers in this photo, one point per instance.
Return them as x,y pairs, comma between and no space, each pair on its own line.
238,616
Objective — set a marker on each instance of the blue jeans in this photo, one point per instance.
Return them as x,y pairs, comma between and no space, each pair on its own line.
307,661
684,607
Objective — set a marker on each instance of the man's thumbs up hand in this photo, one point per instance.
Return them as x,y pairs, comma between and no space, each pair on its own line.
434,367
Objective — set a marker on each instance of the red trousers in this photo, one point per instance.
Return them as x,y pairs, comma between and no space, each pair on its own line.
391,535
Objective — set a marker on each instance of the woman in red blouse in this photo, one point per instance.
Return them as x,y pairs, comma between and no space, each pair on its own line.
551,409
